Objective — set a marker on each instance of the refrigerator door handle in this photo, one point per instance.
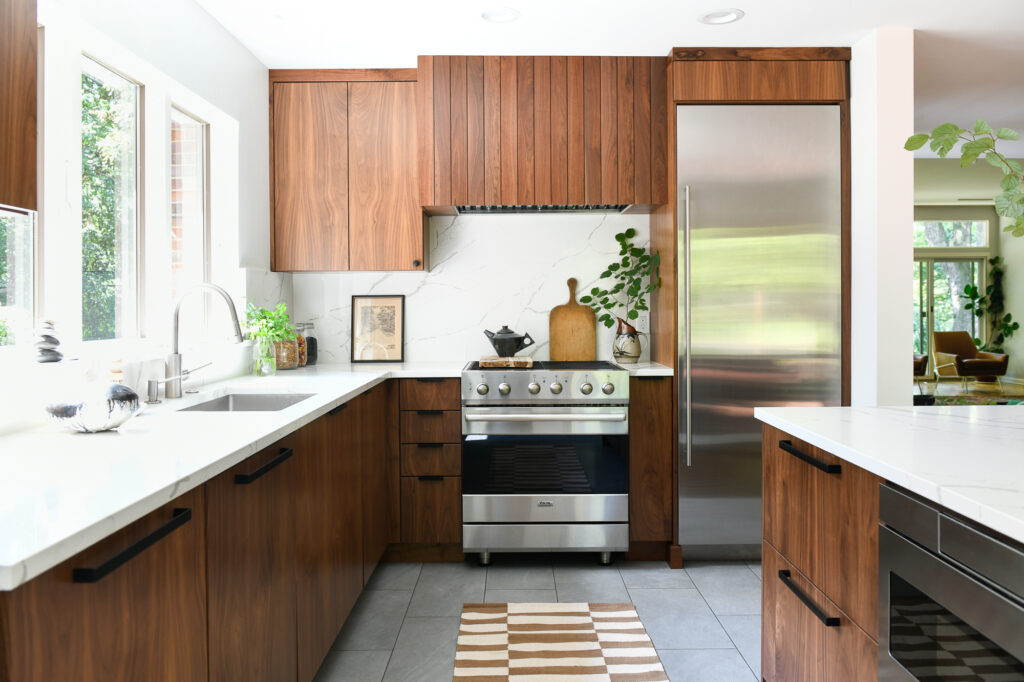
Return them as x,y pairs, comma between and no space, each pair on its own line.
687,336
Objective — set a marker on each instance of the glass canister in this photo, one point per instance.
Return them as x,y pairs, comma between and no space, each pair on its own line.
287,354
311,343
300,341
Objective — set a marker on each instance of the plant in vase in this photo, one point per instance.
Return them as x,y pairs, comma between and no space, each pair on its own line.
635,274
273,339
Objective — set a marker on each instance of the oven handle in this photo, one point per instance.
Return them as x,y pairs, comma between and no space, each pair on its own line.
526,417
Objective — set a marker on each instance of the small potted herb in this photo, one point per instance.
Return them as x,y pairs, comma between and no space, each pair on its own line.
273,337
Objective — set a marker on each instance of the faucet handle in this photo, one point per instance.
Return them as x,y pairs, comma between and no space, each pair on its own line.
153,391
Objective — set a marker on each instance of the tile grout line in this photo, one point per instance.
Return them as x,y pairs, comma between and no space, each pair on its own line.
724,629
405,617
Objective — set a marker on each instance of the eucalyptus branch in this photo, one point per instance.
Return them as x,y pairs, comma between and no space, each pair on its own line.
634,266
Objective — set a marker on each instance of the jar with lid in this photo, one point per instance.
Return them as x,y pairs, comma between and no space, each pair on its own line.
287,354
300,341
311,342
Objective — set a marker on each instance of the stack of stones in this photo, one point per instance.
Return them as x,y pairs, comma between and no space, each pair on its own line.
47,343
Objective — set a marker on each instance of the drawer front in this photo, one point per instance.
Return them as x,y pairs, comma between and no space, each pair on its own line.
431,459
431,426
430,509
430,394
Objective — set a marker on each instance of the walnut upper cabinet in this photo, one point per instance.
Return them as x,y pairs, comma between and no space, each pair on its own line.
343,169
541,131
18,47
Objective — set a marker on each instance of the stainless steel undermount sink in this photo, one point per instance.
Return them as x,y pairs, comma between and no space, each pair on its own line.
249,402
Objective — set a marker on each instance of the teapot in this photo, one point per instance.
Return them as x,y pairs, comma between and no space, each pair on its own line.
506,342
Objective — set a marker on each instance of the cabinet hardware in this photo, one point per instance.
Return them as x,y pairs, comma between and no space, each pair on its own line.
831,622
429,380
430,478
180,517
337,409
246,479
428,413
649,378
416,263
430,445
787,445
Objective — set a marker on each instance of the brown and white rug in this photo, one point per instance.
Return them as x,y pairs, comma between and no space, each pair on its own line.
574,642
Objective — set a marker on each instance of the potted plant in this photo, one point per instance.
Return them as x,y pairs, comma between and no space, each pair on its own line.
636,275
273,339
991,305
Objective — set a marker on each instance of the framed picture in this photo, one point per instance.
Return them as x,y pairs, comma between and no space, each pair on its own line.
378,328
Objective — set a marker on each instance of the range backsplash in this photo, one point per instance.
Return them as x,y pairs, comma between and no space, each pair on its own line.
487,270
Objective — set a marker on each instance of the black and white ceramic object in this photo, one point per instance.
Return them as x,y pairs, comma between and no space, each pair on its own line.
102,407
47,343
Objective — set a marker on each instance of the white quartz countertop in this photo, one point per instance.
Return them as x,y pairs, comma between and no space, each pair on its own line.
969,459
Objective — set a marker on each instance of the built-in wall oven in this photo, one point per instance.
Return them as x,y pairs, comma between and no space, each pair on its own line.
951,596
545,459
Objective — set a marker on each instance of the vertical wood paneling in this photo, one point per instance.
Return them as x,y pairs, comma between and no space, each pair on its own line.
425,128
624,94
660,121
442,132
609,131
509,131
459,133
593,157
559,132
18,73
575,165
475,128
524,75
492,130
642,130
542,129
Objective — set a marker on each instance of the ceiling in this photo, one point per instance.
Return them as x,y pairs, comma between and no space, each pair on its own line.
969,57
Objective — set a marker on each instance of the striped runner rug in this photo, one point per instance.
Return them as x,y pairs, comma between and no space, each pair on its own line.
571,642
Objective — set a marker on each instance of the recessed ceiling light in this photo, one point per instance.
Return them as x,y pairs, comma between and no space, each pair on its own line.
722,16
500,15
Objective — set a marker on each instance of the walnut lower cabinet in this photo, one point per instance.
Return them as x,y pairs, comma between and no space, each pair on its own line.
650,459
820,565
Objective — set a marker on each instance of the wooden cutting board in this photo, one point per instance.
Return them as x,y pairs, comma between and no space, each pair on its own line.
572,329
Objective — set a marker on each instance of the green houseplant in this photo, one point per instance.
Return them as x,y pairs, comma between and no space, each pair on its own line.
992,305
268,329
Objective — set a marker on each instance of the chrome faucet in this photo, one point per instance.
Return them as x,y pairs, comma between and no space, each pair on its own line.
172,386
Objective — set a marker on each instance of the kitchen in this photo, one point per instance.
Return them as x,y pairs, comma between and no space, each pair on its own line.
459,275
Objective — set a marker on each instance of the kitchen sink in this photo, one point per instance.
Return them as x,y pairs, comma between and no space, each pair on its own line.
249,402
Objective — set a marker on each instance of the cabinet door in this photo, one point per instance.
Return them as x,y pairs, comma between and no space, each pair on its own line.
251,568
386,224
309,152
371,418
431,426
430,394
431,509
650,459
792,637
18,103
144,620
850,654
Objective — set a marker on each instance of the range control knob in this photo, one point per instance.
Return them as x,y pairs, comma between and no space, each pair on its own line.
607,389
586,389
482,389
533,388
556,388
504,388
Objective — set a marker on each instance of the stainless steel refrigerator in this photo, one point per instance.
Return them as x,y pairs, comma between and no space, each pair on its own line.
759,253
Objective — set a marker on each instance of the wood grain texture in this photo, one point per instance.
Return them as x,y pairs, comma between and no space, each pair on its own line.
791,503
642,130
559,132
18,126
663,220
431,510
592,139
525,189
542,130
344,75
426,552
609,131
650,459
459,132
509,132
661,148
385,220
492,131
394,448
144,621
475,129
572,329
771,563
767,81
850,654
760,53
625,194
436,427
576,171
798,637
251,571
417,394
431,461
425,129
442,131
310,171
371,419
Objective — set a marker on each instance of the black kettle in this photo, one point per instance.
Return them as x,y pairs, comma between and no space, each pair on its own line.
506,342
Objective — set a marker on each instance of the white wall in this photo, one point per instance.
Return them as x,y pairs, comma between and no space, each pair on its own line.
486,271
881,118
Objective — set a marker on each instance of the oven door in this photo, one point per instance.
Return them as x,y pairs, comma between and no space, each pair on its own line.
938,622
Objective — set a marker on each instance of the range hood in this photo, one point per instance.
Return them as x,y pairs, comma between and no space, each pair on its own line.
548,208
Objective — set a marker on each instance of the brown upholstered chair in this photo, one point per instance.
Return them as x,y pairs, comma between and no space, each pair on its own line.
956,355
920,368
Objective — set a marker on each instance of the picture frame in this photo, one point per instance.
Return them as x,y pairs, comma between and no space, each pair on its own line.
378,328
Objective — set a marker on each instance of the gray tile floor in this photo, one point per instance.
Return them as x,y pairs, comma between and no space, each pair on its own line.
704,620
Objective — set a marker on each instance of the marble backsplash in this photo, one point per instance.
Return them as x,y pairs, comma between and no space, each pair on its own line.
486,271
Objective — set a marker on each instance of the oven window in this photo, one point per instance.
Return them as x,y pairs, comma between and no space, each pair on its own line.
523,465
933,644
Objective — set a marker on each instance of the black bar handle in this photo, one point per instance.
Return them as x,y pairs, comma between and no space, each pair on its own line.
430,380
830,622
337,409
431,478
429,413
246,479
430,445
787,445
179,518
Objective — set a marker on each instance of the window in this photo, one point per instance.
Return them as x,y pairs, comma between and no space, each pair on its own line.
188,202
16,275
947,234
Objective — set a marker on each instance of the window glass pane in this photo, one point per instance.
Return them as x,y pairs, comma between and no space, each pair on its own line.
920,300
188,202
951,233
949,280
15,277
110,155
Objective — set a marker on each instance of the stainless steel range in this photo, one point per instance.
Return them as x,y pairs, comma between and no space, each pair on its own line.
545,458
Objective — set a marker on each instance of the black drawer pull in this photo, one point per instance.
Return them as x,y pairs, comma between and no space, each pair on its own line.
431,478
430,380
818,613
430,445
337,409
429,413
787,445
246,479
91,575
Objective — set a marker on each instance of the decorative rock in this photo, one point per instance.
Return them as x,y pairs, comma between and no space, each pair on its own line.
47,343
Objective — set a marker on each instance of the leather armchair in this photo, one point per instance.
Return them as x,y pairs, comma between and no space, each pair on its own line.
956,355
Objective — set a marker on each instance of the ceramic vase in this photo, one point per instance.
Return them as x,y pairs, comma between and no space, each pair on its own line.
626,348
